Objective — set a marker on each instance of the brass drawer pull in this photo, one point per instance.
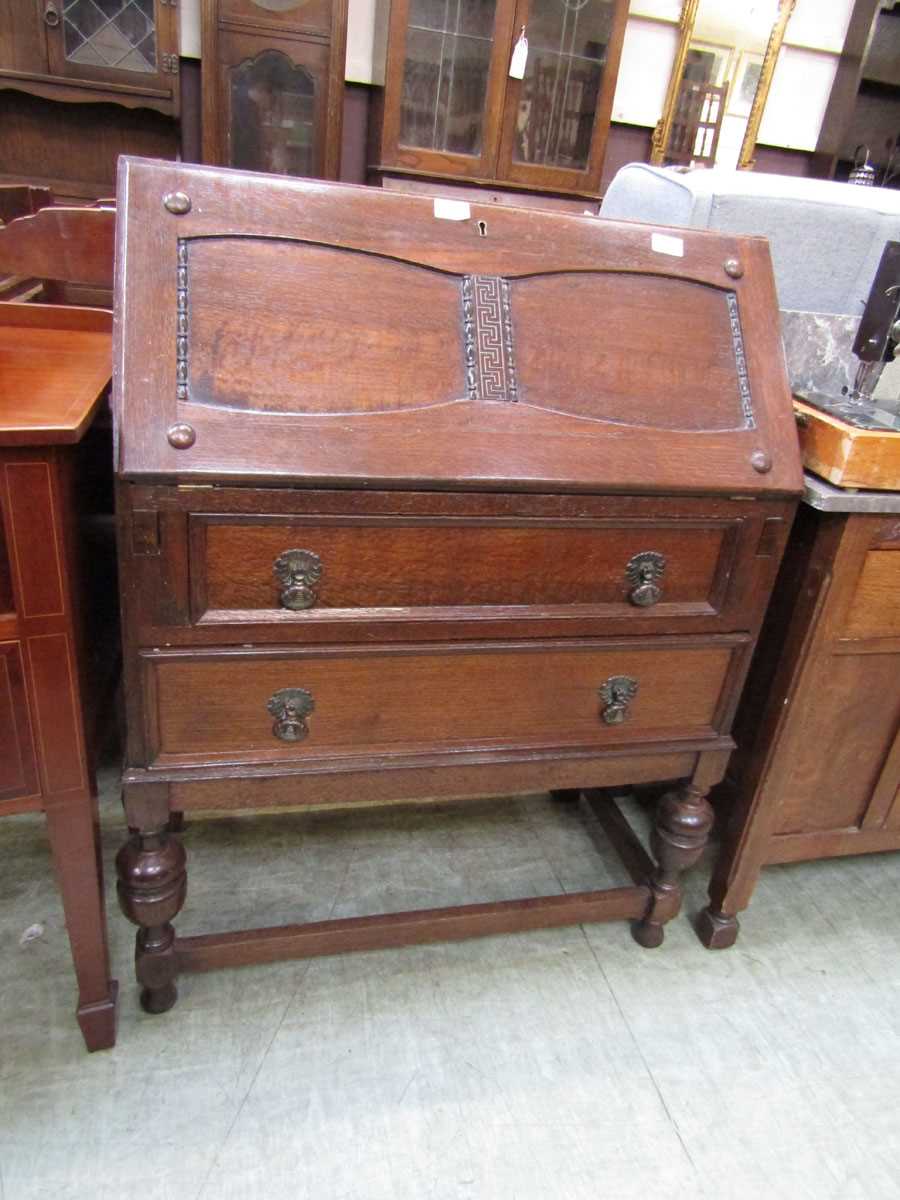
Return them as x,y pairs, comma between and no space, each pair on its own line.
617,693
290,707
645,572
298,572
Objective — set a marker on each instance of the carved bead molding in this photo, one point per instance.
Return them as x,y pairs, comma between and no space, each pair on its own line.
181,323
488,338
740,360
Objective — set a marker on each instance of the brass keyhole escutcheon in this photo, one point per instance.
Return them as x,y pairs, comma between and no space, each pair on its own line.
645,573
290,707
616,694
299,573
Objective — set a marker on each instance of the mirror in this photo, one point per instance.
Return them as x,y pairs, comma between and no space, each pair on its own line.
720,80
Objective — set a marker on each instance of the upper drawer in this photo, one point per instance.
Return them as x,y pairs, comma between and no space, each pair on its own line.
309,331
247,569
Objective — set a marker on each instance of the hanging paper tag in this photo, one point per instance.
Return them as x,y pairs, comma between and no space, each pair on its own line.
519,57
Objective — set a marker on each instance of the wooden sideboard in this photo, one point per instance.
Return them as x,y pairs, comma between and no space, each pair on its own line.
58,631
817,772
422,507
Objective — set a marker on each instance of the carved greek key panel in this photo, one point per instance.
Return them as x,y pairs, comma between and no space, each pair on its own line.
488,338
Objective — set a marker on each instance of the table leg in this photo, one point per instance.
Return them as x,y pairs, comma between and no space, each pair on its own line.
74,843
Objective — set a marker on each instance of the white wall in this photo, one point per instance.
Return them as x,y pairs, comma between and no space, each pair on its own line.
189,24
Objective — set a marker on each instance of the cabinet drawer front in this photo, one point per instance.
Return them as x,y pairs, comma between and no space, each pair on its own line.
421,698
240,566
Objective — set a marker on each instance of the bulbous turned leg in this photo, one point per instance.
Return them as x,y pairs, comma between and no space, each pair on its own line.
152,887
717,930
680,833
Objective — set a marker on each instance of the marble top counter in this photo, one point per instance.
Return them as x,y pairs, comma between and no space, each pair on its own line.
828,498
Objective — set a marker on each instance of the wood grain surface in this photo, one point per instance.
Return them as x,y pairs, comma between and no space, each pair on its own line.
373,398
55,364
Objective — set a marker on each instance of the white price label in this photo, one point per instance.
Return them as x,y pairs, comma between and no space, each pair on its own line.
451,210
519,57
664,243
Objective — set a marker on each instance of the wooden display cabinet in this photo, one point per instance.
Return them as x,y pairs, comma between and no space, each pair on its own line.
273,85
81,83
449,108
121,51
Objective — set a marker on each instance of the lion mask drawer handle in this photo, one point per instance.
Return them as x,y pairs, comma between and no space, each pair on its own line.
298,572
290,707
617,693
645,572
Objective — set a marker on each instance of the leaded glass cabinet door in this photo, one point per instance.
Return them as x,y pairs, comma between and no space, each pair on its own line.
133,42
273,101
557,117
446,69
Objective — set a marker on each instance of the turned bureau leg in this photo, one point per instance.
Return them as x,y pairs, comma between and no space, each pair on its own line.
680,833
152,887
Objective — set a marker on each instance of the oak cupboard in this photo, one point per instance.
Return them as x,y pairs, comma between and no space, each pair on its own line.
818,770
82,82
450,109
273,85
119,51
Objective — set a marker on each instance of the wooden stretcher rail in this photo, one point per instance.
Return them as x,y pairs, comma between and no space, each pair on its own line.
208,952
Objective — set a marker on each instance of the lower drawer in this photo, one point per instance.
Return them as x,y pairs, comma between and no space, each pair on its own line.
264,705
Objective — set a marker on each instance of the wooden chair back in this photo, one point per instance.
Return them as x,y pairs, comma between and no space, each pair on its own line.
64,253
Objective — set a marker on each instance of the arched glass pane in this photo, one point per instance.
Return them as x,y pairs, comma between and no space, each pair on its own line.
273,104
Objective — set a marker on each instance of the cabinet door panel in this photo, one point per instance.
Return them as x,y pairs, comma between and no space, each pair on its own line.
132,42
279,14
557,116
273,101
828,780
874,611
445,85
23,46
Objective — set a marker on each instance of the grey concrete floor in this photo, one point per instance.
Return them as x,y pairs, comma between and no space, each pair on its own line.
560,1065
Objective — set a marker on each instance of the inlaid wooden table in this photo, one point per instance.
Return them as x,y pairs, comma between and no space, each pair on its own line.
414,507
55,365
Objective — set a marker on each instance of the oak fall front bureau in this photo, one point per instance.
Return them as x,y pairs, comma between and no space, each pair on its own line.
412,507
